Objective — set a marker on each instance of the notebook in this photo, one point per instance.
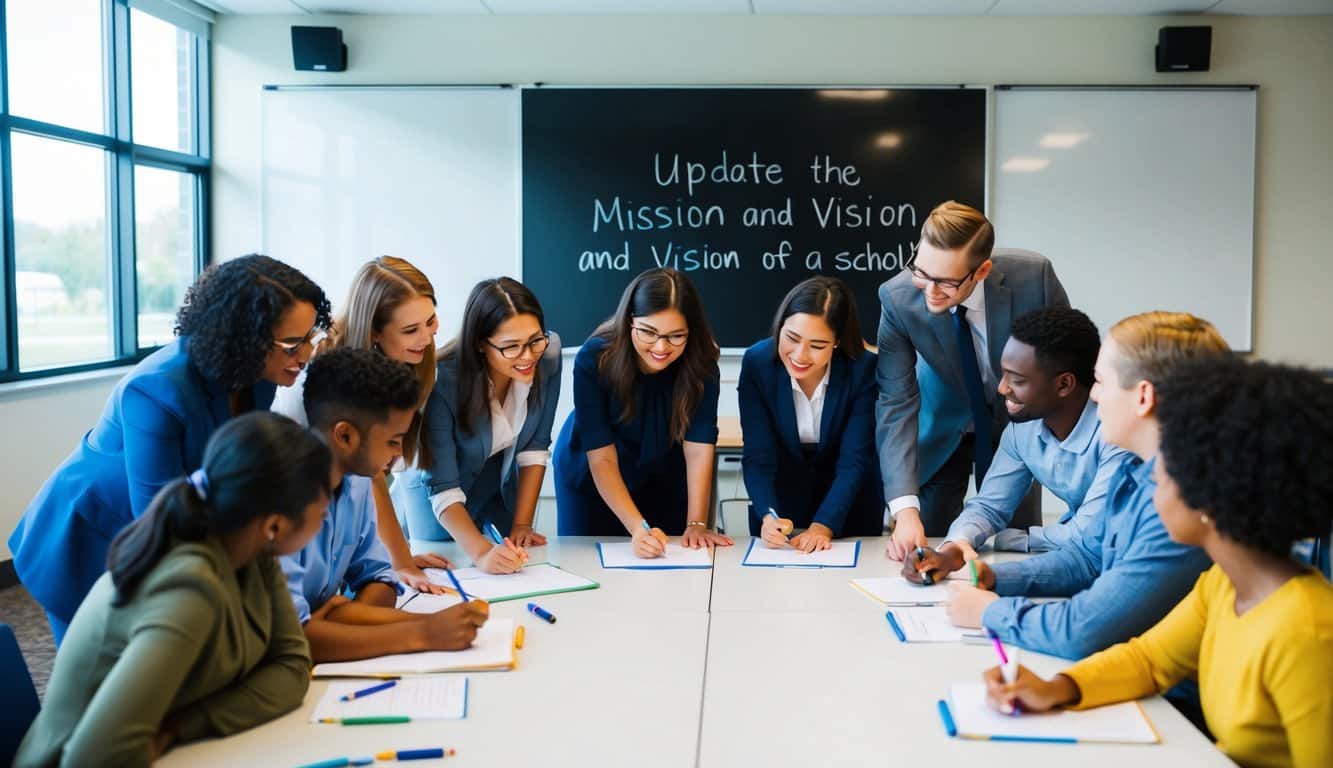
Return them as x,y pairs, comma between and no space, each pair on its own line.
424,602
492,650
895,590
844,554
438,697
966,715
929,624
620,554
533,580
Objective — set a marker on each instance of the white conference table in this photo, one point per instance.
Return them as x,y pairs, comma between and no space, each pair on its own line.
786,667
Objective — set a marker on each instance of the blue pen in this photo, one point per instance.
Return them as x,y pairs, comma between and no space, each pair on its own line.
339,762
457,585
541,613
370,690
773,514
416,754
494,533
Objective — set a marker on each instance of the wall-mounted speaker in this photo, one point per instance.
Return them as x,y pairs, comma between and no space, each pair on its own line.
1184,49
319,49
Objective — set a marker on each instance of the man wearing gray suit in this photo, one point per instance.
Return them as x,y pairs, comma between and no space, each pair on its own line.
943,323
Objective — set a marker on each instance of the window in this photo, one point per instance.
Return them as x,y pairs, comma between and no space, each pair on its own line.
103,180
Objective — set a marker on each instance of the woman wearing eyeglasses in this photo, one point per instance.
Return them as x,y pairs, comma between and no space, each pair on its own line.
390,308
636,455
245,326
489,421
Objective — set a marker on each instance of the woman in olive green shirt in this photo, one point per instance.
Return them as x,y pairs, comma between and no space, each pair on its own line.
192,633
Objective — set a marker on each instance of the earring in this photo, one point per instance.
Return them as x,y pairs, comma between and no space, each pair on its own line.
1204,519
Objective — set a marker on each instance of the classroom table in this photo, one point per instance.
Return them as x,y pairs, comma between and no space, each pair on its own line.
785,667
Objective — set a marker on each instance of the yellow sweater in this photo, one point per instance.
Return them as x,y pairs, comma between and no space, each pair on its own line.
1265,678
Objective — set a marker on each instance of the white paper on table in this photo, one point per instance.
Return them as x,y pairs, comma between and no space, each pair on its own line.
437,697
492,649
620,554
1122,723
895,590
843,554
425,602
930,624
530,581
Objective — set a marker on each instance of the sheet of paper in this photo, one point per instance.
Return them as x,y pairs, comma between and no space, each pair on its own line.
895,590
424,602
535,579
929,624
438,697
620,554
842,555
493,649
1118,723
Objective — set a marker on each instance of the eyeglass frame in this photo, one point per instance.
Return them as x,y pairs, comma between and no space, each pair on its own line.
544,339
948,284
655,336
314,337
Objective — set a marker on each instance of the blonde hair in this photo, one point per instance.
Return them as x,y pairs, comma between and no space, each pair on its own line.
952,225
380,287
1152,343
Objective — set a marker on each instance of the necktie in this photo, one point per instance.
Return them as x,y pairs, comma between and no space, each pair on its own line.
976,394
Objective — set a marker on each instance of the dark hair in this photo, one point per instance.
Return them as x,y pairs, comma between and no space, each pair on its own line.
831,299
1251,445
651,292
1065,341
357,385
230,311
491,303
256,464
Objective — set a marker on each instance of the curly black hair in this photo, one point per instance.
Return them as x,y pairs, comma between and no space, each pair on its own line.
230,312
357,385
1064,339
1251,444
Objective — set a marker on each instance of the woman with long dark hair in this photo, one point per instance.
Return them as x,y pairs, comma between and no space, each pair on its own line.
246,326
636,455
191,633
488,422
807,402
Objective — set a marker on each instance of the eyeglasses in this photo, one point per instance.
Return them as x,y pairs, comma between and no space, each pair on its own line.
514,351
314,338
649,337
921,276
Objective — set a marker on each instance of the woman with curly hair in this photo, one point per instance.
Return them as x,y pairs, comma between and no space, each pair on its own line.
1242,472
390,308
245,326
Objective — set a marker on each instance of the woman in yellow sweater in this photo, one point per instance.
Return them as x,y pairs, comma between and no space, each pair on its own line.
1243,472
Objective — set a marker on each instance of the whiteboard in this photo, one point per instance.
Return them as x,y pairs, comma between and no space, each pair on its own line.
1141,198
428,174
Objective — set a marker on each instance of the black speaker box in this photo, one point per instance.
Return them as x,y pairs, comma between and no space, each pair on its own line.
319,48
1183,49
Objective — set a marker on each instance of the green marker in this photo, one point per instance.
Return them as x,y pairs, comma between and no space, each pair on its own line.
385,720
972,568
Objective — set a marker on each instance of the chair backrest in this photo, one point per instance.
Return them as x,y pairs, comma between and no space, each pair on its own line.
19,698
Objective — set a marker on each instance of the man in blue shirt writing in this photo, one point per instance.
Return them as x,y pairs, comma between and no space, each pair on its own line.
362,403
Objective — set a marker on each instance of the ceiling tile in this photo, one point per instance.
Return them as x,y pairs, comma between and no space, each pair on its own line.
396,7
1098,7
873,7
255,6
616,7
1275,7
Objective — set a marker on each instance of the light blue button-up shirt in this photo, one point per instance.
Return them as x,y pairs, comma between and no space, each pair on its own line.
346,553
1077,470
1122,576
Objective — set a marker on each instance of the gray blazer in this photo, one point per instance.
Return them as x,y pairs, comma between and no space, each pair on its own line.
458,457
922,412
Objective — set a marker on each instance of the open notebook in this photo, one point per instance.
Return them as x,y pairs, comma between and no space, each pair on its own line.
966,715
439,697
533,580
492,650
620,554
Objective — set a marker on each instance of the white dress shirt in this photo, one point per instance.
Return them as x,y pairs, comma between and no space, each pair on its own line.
810,410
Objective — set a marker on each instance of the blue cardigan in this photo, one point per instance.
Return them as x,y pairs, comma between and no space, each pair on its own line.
152,431
840,486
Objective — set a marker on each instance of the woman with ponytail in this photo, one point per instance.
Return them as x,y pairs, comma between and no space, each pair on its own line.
191,633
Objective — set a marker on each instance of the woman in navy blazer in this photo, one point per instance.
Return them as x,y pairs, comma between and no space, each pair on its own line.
489,421
807,402
245,326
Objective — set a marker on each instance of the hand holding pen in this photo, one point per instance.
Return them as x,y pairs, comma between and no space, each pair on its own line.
649,542
776,531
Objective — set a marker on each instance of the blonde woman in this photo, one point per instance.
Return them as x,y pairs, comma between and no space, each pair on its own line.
390,308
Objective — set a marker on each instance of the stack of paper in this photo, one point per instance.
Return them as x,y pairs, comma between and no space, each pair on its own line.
531,581
843,554
968,716
493,649
439,697
620,554
929,624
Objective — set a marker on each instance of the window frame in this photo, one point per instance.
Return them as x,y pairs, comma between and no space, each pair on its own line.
124,157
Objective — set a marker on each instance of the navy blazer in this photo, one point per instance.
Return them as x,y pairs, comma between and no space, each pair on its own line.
457,457
839,486
152,431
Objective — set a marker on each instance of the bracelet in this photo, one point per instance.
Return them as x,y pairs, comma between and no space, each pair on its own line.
699,523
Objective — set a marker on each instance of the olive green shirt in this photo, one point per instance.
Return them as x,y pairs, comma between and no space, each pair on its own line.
216,650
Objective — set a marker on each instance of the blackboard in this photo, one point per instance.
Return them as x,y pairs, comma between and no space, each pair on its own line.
795,181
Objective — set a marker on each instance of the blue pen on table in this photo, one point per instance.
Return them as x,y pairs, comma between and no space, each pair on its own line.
370,690
339,762
1008,664
416,754
541,613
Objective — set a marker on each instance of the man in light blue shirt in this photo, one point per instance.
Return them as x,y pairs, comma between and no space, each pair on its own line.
362,404
1054,436
1124,573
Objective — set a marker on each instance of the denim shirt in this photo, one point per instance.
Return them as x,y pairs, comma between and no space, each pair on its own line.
1122,576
